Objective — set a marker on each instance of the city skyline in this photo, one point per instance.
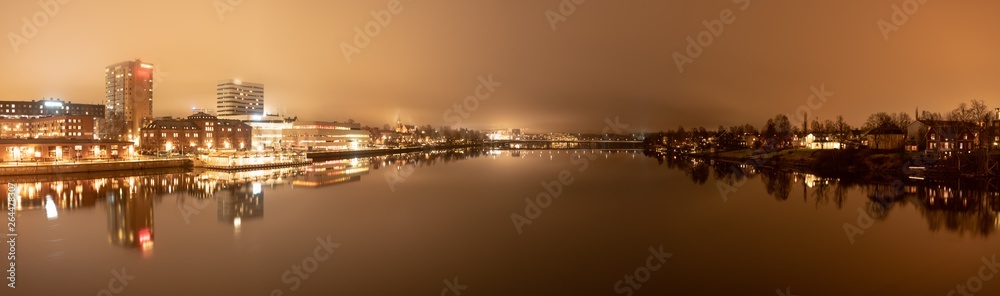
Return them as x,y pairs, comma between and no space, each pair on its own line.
497,147
603,60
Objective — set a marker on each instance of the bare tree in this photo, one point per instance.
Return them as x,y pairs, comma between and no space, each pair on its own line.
902,120
928,115
975,112
815,126
979,112
877,120
829,127
842,126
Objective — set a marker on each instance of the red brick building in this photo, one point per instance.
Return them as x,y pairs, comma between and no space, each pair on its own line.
62,149
199,132
60,126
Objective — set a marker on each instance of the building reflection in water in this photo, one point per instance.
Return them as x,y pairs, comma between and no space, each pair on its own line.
239,195
130,200
334,172
241,203
130,217
967,208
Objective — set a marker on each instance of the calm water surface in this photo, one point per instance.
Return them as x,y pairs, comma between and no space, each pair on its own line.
417,224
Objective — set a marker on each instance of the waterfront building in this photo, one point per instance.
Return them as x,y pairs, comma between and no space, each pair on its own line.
198,132
821,142
326,136
49,107
404,128
61,126
235,97
251,159
945,137
267,129
885,137
49,118
63,149
128,99
499,135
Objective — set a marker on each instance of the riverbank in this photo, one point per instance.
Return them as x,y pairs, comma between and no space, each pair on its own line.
78,168
847,163
68,168
335,155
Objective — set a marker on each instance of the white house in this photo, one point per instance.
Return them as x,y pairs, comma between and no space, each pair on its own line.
812,141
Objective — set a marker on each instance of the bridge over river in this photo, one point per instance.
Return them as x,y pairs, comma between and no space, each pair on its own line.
567,144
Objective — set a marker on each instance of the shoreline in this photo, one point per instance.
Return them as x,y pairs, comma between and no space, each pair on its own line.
845,164
31,171
84,168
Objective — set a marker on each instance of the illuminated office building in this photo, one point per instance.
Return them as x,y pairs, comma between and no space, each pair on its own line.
128,99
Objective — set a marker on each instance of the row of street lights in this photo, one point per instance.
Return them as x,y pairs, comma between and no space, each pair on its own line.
30,154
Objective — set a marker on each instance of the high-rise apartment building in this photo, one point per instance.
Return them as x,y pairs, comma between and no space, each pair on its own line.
235,97
128,99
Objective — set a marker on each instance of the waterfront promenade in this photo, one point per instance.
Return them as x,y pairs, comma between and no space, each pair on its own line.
69,167
154,163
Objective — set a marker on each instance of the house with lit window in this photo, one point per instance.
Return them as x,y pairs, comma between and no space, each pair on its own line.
948,137
197,133
885,137
820,142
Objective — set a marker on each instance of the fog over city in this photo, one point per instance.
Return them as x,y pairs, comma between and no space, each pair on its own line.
604,58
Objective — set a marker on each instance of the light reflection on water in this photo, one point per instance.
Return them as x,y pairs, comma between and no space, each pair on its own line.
220,217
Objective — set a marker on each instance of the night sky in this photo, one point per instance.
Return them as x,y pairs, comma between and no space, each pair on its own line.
607,59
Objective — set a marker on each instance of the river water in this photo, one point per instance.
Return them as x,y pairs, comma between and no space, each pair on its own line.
473,222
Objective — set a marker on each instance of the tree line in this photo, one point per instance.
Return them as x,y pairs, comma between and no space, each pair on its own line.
778,131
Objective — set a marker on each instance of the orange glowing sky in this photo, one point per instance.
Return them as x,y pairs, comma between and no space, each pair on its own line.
608,59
